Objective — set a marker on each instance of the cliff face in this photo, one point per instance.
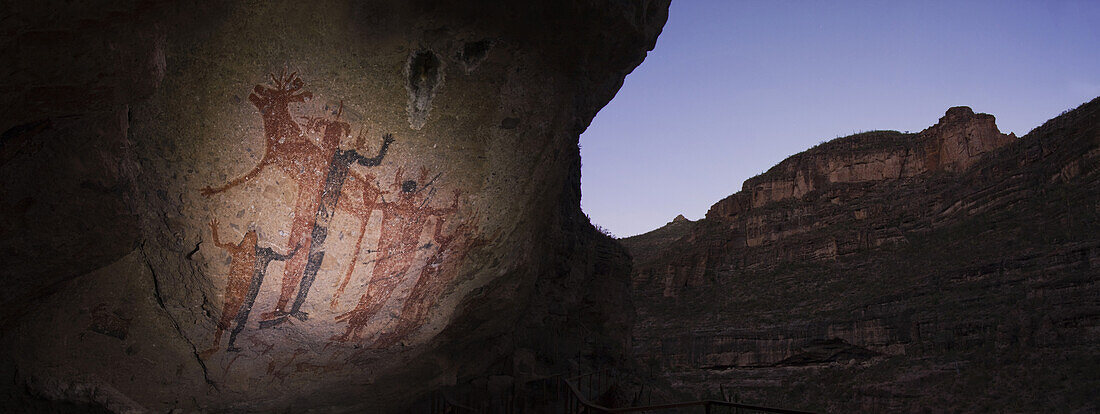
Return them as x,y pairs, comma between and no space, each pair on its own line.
954,268
957,141
336,205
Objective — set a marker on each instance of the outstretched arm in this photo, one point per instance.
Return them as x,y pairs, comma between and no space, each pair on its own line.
444,240
278,256
237,181
371,162
448,210
217,240
440,223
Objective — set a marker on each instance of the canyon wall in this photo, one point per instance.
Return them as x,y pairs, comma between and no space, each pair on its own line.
336,205
952,269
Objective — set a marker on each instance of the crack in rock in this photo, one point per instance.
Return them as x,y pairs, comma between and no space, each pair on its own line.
175,324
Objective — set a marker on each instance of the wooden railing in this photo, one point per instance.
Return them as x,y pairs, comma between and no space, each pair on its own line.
567,395
708,405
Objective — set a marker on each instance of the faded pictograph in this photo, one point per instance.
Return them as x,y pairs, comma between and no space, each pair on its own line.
403,221
318,169
438,270
247,268
417,244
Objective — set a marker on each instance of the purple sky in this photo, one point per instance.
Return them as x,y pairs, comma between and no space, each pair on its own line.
734,87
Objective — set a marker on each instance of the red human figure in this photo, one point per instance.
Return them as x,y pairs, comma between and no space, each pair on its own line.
362,207
309,165
242,262
303,228
330,197
403,221
360,202
248,265
439,270
287,147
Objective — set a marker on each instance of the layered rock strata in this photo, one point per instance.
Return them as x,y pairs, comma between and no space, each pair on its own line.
956,268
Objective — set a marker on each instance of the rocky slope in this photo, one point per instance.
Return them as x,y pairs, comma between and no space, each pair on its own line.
954,269
343,206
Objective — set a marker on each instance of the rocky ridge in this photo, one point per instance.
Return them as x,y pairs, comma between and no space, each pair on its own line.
956,267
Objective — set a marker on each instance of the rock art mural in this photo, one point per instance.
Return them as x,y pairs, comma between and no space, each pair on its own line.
438,270
395,214
246,274
403,220
414,246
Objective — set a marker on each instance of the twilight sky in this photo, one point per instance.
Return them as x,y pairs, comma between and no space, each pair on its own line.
734,87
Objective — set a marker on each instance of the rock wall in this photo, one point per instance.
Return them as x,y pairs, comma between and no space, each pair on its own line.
953,269
342,206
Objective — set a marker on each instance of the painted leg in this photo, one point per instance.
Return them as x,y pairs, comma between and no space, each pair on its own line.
246,307
300,231
312,267
334,184
351,267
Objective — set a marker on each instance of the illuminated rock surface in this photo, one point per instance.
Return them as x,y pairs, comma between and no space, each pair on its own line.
339,205
954,269
347,206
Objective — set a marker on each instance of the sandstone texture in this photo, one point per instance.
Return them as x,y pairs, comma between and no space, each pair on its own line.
335,206
955,269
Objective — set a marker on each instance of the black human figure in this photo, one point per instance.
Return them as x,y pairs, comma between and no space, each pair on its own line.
247,267
334,183
264,256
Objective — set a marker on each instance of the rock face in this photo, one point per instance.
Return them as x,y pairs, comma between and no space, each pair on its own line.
956,268
344,206
953,144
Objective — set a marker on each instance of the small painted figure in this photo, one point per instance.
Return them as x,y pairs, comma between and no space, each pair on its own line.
403,221
248,265
440,268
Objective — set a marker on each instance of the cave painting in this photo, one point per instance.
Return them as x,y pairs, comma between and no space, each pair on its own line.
315,168
331,179
247,268
437,272
403,221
